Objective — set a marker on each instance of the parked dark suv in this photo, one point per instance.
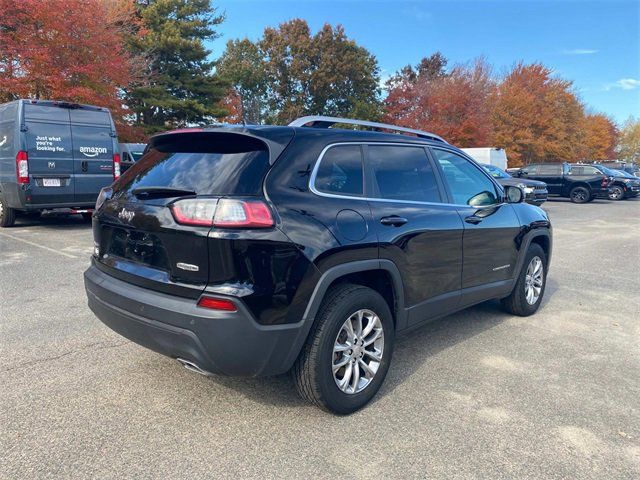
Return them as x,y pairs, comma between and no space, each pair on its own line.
257,250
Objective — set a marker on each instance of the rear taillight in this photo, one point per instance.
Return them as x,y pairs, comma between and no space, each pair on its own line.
22,167
103,196
223,213
194,211
116,166
242,213
217,304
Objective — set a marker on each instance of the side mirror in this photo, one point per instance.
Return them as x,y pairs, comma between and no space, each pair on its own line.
514,194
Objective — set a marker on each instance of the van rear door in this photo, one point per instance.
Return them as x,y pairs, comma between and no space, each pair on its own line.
93,143
49,148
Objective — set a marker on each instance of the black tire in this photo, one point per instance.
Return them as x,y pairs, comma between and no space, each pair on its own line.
313,373
616,193
580,195
87,216
516,303
7,214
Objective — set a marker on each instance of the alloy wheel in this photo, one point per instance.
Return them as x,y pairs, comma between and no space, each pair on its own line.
534,280
357,351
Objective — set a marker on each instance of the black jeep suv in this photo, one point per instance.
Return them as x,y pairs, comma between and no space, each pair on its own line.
259,250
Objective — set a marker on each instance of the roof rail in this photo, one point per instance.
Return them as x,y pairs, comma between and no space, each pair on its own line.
319,121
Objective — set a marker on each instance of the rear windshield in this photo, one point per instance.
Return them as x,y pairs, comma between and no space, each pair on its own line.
202,167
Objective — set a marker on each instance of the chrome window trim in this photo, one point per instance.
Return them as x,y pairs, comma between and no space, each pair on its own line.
314,172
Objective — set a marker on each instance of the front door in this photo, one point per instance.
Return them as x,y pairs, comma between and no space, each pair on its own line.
416,229
491,227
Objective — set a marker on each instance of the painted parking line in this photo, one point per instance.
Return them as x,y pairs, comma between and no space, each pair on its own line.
64,254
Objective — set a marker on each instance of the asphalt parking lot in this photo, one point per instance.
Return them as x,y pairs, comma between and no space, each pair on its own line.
480,394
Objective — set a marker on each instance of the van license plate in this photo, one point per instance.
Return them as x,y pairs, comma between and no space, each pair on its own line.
50,182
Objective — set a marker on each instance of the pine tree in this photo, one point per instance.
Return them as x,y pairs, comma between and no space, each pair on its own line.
180,87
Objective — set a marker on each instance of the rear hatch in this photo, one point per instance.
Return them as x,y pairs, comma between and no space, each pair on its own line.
93,148
141,233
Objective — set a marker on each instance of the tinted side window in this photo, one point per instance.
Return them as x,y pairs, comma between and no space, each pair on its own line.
402,173
550,170
591,171
530,170
468,185
340,171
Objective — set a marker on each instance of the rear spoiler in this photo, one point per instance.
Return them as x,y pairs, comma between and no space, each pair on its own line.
230,139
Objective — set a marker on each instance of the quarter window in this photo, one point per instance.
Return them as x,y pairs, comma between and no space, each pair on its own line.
468,185
340,171
402,173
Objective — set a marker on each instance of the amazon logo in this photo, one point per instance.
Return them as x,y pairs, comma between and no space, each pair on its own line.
92,151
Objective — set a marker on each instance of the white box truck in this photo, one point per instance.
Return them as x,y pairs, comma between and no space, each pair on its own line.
489,156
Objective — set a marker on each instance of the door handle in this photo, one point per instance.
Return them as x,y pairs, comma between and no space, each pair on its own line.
393,220
84,165
472,219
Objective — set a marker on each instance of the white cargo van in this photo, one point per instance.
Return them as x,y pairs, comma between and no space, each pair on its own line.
488,156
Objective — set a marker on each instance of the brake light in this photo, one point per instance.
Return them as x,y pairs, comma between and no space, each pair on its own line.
242,213
217,304
116,166
194,211
22,167
223,213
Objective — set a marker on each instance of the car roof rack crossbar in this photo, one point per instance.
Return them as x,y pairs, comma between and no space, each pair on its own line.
319,121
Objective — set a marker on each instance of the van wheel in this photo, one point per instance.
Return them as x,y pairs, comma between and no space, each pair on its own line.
7,214
579,195
87,216
348,352
527,295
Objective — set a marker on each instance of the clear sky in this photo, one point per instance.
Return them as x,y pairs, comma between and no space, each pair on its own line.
595,44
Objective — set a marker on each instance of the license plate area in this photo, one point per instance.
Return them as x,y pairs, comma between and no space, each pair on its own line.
51,182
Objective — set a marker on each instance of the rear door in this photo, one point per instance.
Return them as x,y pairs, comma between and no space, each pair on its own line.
93,142
551,174
49,147
416,229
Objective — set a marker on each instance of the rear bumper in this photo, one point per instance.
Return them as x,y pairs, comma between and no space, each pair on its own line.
230,343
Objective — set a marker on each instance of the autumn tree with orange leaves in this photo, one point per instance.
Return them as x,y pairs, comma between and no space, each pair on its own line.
454,105
534,115
600,137
69,50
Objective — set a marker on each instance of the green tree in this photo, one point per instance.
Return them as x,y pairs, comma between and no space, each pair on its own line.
242,66
629,141
290,72
179,87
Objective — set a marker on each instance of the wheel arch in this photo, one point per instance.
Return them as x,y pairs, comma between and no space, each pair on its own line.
540,237
376,274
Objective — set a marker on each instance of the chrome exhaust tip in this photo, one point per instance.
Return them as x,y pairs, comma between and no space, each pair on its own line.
192,367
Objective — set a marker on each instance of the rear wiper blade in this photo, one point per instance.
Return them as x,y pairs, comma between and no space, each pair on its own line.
158,192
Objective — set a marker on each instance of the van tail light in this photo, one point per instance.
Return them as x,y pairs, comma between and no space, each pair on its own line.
217,304
223,213
22,167
116,166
